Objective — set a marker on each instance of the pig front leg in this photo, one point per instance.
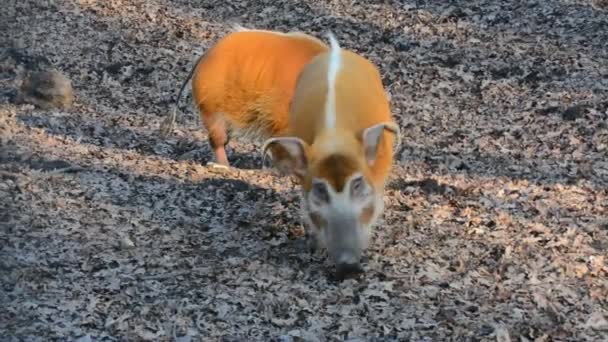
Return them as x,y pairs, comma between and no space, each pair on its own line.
313,239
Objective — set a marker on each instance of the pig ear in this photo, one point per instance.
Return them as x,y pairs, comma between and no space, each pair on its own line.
288,154
372,136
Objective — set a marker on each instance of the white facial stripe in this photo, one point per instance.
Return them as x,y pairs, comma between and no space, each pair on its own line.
341,201
332,73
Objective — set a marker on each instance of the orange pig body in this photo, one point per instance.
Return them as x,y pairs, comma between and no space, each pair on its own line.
246,81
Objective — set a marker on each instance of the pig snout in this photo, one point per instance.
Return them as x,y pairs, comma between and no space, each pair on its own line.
345,244
347,269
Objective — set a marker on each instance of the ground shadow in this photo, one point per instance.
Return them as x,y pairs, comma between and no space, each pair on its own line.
220,217
102,132
428,185
540,170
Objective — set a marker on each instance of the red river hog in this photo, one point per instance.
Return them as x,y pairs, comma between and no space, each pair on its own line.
325,118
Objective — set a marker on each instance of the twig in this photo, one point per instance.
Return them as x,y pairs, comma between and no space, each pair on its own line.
73,168
10,174
42,173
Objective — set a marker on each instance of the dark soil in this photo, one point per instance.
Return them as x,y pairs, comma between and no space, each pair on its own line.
496,222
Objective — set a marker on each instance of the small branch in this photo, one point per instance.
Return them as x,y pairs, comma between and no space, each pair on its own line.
73,168
9,174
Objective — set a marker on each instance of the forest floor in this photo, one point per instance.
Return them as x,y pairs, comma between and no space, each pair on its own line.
496,221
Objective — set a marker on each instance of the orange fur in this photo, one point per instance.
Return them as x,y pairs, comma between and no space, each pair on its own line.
247,80
360,103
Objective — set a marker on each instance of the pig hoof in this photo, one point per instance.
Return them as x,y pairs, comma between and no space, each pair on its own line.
214,165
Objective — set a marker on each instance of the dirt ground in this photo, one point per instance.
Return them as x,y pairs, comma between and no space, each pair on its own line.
496,221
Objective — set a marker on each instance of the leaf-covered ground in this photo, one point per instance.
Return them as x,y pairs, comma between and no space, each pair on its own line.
496,223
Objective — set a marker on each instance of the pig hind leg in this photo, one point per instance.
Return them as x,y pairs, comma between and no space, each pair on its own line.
215,123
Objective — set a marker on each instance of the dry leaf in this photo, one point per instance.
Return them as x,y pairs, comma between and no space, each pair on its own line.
597,321
493,210
502,334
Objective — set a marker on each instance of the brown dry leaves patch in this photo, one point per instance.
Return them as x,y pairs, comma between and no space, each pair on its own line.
496,222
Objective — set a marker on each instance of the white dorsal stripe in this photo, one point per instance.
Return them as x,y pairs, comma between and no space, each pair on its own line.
240,28
332,73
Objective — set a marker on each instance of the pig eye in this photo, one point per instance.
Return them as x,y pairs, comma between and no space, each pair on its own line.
319,192
358,187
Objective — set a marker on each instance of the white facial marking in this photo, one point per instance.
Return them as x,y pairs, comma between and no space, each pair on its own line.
332,73
341,202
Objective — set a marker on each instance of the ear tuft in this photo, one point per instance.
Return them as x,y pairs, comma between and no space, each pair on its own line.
287,154
372,136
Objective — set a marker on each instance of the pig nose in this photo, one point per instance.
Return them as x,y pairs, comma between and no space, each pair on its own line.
344,270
